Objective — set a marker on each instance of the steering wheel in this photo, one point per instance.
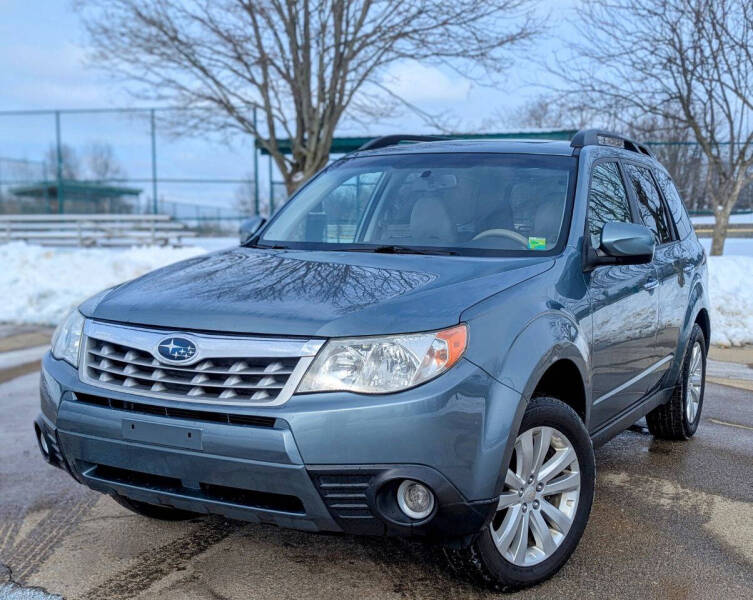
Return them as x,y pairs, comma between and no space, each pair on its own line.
506,233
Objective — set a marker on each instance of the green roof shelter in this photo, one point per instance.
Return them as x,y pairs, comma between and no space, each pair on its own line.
72,190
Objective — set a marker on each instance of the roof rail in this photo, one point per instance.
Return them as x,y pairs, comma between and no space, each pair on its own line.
600,137
392,140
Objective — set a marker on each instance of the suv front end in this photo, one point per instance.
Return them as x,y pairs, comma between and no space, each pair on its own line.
226,433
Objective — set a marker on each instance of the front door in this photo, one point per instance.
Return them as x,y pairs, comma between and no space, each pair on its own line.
624,304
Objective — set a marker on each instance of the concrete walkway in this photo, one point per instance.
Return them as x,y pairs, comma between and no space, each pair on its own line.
731,366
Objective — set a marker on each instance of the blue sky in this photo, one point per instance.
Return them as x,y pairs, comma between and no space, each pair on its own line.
42,66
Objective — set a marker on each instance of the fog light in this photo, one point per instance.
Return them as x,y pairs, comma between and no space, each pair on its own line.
415,499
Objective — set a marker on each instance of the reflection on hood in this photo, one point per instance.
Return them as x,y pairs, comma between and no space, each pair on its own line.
238,276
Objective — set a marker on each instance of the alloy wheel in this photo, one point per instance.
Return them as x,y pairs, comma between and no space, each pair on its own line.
540,500
695,382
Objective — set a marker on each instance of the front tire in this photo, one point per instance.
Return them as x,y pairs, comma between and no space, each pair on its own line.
544,506
678,419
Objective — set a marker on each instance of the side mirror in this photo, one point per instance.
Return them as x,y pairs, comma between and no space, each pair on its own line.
628,243
250,227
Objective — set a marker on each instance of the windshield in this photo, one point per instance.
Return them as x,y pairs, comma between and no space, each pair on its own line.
431,203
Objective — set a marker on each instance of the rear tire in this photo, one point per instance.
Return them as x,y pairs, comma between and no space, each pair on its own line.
154,511
678,419
557,520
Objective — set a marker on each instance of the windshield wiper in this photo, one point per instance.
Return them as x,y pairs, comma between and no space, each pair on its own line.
268,247
396,249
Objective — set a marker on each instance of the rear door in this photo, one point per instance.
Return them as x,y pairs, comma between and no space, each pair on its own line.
669,267
624,301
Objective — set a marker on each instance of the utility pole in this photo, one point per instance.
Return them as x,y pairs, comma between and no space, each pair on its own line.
59,166
271,190
154,163
256,170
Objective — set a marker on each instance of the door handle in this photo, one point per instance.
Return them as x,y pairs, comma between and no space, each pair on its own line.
651,284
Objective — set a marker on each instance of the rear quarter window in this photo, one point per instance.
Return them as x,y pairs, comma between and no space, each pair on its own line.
676,205
649,202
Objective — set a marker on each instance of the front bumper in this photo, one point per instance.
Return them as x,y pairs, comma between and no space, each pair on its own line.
323,462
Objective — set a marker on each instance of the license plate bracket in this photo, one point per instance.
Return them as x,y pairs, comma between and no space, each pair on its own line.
163,435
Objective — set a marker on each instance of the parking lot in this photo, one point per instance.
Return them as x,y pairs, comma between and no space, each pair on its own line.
670,520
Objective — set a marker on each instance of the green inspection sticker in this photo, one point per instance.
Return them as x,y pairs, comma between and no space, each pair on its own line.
536,243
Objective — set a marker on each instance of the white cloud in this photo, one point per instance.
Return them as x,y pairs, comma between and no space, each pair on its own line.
419,83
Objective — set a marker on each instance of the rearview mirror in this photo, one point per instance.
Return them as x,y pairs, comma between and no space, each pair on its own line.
250,227
628,243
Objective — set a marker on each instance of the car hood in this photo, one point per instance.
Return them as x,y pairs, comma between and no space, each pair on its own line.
303,293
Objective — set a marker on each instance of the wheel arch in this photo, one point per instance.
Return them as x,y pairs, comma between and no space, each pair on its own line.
563,380
696,312
704,322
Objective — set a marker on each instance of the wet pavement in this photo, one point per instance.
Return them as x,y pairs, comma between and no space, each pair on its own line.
670,520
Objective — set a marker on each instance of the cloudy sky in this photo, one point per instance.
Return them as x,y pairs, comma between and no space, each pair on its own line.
42,66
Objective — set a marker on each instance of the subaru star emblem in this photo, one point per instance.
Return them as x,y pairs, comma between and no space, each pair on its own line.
176,349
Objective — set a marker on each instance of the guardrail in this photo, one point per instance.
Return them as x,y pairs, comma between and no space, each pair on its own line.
88,230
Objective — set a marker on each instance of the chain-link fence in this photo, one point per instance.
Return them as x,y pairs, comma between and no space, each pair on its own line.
128,161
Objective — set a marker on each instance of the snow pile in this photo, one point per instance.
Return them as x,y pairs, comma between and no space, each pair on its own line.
731,296
40,285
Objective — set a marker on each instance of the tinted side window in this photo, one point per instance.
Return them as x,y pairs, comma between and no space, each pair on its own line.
676,206
649,202
607,200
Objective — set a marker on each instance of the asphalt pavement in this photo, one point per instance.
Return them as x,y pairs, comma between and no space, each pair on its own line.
670,520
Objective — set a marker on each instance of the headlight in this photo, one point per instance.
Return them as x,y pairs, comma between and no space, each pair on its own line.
380,365
66,340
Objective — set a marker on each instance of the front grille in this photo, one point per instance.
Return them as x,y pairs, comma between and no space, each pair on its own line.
177,413
228,370
237,378
207,491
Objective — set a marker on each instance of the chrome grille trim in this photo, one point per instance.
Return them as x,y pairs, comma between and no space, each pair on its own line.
227,370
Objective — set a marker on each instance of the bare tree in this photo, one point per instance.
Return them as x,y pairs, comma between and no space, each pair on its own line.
687,62
303,62
548,111
101,162
70,167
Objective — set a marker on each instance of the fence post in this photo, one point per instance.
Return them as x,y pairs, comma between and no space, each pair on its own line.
59,166
271,190
154,162
256,169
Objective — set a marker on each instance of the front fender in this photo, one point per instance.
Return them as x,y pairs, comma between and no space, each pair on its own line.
548,338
